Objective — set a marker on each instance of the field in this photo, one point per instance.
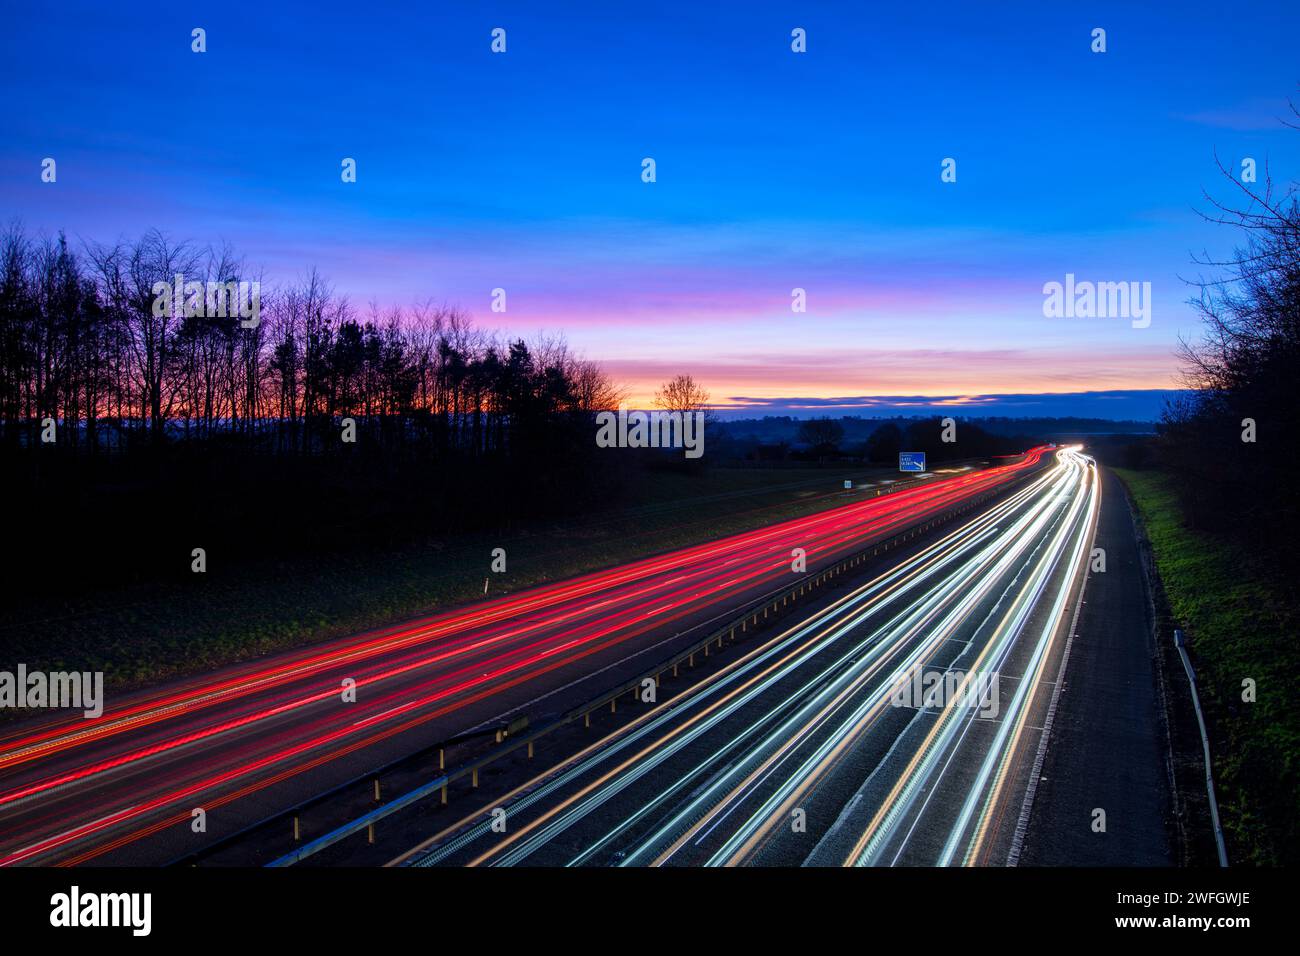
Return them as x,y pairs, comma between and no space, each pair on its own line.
149,635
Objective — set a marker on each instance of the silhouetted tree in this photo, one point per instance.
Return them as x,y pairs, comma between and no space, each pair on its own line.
823,435
884,444
191,401
1229,443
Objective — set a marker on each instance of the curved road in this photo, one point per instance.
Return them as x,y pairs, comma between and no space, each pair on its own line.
896,726
256,739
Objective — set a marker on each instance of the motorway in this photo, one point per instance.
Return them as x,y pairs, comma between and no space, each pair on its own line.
252,740
1109,746
815,746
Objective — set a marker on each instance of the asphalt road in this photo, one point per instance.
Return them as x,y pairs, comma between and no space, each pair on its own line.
808,749
253,740
1107,749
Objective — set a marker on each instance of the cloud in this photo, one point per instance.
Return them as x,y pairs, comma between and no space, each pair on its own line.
1125,404
1251,115
846,374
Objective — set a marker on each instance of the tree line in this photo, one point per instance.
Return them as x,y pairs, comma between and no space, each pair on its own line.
134,429
1229,448
1230,443
83,343
827,439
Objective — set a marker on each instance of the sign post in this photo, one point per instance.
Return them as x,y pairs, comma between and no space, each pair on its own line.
911,461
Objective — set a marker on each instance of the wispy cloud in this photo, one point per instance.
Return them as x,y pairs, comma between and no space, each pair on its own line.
1134,404
1255,114
843,376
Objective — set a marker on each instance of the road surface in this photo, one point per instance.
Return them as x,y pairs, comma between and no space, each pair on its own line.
251,741
899,725
1108,748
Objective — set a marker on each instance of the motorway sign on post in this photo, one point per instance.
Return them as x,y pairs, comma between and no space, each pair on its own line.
911,461
848,484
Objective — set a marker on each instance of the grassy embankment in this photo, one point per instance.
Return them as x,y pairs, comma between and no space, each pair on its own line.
227,616
1239,624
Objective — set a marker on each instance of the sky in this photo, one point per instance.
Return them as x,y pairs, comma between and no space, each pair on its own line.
774,170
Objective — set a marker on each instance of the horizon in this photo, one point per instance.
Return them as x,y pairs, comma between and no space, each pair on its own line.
469,180
1118,405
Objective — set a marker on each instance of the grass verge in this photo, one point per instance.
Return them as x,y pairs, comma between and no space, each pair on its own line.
1240,627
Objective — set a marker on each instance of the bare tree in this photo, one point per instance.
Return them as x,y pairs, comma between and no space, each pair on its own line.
823,434
1243,368
681,393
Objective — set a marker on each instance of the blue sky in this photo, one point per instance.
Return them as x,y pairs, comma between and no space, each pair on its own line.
775,170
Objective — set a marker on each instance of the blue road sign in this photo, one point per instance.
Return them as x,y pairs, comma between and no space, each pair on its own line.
911,461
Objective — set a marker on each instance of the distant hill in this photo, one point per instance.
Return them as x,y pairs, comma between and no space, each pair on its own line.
775,429
1120,406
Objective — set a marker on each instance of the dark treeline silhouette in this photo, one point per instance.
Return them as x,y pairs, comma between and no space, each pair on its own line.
1230,444
173,430
773,429
969,441
82,341
827,439
1230,450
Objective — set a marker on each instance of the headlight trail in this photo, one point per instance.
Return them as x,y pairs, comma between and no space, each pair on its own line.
713,776
924,772
72,789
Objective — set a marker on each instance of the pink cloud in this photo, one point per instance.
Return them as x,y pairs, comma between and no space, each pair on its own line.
955,373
